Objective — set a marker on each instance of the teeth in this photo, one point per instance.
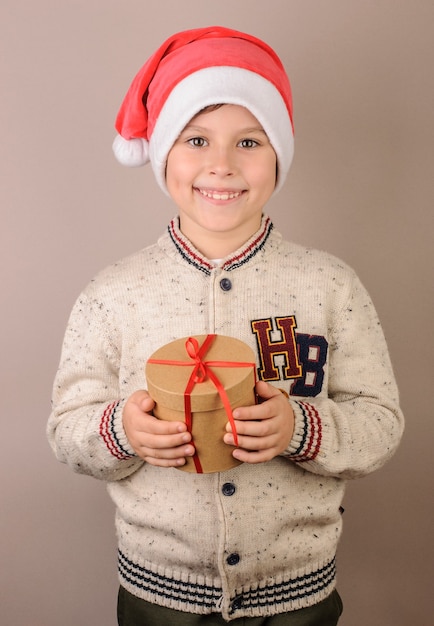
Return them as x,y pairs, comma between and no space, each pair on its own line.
229,195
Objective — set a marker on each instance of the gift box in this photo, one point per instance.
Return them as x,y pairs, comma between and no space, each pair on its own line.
200,380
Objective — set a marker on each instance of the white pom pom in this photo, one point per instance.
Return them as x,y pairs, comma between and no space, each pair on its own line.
131,152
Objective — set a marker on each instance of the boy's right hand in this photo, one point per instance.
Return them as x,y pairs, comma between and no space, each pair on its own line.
158,442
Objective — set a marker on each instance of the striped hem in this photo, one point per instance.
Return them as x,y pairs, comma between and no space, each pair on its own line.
108,432
312,434
296,592
201,598
147,583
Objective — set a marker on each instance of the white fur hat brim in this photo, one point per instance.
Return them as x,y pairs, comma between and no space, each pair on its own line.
222,85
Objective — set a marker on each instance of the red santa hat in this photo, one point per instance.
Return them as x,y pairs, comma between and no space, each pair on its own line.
195,69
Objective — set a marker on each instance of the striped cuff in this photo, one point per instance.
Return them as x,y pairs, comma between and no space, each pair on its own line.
113,434
307,438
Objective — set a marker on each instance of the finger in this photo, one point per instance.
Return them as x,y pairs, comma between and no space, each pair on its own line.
146,403
140,396
255,412
252,428
265,390
271,399
163,441
247,442
150,424
178,462
166,456
256,456
168,453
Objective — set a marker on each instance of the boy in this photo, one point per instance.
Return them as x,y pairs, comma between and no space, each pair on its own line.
212,111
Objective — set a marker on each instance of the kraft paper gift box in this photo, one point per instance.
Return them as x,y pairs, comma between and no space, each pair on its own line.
199,380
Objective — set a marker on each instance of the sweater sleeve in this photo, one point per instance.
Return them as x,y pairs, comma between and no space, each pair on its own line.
85,427
358,426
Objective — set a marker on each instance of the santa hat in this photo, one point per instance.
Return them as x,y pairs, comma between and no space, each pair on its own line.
195,69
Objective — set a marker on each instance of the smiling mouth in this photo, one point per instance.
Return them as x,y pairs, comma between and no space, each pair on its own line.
219,195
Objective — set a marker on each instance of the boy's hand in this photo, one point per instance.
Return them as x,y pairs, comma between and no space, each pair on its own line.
157,442
264,430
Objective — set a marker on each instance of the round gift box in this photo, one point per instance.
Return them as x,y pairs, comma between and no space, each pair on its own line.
184,378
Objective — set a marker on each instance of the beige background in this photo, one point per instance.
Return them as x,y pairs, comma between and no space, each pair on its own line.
361,187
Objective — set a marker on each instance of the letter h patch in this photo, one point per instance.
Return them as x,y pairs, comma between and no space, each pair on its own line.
285,347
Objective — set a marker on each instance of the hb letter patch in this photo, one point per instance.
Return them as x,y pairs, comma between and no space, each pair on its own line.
290,355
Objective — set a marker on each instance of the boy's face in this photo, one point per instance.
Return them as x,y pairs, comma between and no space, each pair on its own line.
220,173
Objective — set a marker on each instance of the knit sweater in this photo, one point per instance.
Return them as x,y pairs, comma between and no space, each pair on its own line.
257,539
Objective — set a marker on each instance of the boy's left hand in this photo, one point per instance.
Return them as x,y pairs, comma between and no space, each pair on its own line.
264,430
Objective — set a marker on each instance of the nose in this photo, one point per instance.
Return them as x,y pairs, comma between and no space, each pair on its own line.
221,162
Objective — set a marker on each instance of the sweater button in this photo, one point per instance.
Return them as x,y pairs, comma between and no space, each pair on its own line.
233,559
225,284
228,489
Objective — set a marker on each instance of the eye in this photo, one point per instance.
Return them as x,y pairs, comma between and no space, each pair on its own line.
197,142
248,143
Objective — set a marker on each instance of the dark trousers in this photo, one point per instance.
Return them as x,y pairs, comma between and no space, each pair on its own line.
133,611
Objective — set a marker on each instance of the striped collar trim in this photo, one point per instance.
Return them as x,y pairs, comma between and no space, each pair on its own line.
237,259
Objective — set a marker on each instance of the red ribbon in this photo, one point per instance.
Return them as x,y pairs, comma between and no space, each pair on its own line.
201,372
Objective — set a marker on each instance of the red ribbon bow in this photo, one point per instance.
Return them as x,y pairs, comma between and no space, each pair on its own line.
201,372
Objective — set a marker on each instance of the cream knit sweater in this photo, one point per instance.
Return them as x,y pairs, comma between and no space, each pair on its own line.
256,539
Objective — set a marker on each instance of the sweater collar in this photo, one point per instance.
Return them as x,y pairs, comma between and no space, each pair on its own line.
250,249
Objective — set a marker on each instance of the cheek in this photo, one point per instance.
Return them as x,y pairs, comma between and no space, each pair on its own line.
266,175
179,170
266,170
172,175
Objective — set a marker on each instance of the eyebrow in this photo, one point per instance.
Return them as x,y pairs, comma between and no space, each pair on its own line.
203,129
254,129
